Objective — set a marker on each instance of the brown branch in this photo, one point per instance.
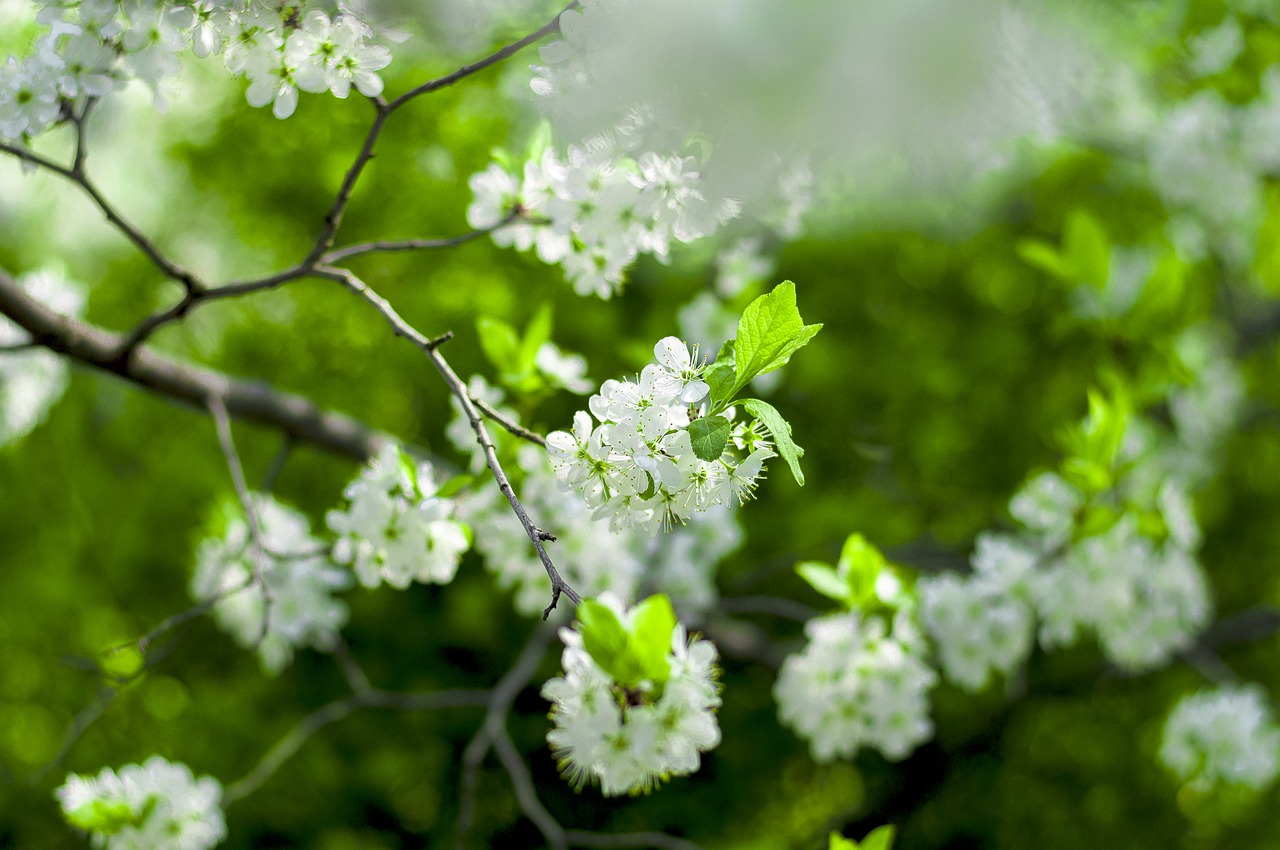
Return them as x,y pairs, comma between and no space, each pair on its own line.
293,740
383,111
391,246
248,400
76,174
500,701
430,347
218,409
510,424
492,59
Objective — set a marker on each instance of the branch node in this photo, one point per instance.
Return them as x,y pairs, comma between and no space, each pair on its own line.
433,344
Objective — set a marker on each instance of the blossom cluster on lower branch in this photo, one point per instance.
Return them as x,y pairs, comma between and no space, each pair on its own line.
861,681
1224,736
298,607
157,805
631,733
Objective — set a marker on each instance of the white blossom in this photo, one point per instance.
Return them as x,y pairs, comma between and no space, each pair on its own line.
32,380
157,805
635,461
395,529
857,684
630,740
299,607
1224,736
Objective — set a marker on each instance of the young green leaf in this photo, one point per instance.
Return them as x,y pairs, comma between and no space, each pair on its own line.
860,565
604,639
880,838
769,332
781,433
1087,250
822,578
455,485
709,435
652,622
535,335
499,342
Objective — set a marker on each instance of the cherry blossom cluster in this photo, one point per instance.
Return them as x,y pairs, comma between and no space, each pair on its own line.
1224,736
93,47
636,462
596,210
861,681
396,529
157,805
31,380
681,564
983,622
298,607
631,736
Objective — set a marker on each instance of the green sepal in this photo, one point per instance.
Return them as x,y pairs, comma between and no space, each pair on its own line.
780,431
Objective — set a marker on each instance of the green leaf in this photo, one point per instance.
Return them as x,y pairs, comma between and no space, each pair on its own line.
880,838
836,841
769,332
1045,257
103,816
455,485
1087,250
781,433
824,579
859,566
709,436
499,342
538,332
720,376
652,622
604,638
633,652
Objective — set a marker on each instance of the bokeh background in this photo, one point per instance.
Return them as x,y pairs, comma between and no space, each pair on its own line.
946,367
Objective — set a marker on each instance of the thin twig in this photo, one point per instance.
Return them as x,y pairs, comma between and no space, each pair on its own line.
492,59
510,424
293,740
502,697
78,176
218,409
277,463
430,347
390,246
80,724
787,609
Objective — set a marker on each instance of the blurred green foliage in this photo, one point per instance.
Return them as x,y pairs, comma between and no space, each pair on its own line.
945,371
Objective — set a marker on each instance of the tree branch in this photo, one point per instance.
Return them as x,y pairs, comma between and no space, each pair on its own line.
77,175
492,59
430,347
251,401
293,740
218,409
